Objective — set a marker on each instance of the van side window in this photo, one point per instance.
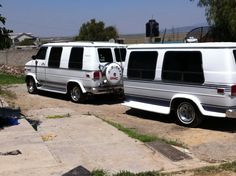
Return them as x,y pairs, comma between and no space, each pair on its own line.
120,54
142,65
55,57
42,53
76,58
183,66
105,55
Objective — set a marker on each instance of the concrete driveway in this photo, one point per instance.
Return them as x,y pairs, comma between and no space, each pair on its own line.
60,145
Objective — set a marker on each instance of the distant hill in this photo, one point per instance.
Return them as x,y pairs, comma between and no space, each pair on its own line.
184,29
175,34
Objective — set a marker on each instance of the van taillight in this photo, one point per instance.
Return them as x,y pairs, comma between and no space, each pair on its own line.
233,90
96,75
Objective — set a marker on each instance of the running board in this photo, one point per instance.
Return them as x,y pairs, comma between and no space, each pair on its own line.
147,107
51,90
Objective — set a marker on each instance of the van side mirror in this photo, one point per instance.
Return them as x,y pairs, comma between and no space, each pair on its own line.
34,57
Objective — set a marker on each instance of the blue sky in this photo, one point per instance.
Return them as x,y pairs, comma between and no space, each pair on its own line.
64,17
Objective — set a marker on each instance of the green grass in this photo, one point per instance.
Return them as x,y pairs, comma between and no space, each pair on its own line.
58,116
99,173
204,171
133,134
230,166
6,79
210,170
126,173
143,137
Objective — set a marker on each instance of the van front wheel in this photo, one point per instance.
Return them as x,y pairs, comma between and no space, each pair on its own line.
31,85
76,94
188,114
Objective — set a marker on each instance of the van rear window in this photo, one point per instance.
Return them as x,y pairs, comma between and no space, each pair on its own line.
76,58
120,54
105,55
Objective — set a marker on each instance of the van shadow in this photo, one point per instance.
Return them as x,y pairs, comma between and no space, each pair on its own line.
150,115
109,99
53,95
208,123
219,124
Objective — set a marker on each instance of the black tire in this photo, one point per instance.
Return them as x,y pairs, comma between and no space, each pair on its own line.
31,85
188,114
76,94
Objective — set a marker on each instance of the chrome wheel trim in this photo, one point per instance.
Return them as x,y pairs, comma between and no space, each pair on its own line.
75,94
186,113
30,85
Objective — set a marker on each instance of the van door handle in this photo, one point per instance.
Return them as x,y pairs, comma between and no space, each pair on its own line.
43,64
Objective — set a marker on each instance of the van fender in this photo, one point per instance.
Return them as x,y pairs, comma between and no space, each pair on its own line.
79,83
33,76
197,102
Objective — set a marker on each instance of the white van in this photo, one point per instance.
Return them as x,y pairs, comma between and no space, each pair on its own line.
192,79
77,69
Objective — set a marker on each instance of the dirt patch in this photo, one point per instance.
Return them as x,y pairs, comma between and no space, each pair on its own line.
214,141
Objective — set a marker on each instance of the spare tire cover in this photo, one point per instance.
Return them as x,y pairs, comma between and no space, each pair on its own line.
113,73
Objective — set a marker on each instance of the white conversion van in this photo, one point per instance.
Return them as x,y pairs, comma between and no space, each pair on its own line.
77,69
192,79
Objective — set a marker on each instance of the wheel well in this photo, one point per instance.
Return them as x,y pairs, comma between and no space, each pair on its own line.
28,77
177,101
70,85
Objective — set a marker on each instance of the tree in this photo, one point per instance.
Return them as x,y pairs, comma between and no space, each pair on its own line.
96,31
5,41
221,15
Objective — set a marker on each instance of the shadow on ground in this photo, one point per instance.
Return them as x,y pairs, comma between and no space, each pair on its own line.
93,100
209,123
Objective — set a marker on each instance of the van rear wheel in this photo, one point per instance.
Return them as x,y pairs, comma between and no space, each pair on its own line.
188,114
76,94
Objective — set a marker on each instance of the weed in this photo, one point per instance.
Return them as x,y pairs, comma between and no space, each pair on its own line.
48,137
7,93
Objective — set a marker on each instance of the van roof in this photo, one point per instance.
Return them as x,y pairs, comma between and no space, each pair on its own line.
88,44
184,45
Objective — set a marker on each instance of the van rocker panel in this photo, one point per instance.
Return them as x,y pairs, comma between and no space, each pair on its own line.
163,105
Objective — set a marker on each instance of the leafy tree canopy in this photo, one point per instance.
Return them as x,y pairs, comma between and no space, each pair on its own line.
96,31
221,14
5,41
